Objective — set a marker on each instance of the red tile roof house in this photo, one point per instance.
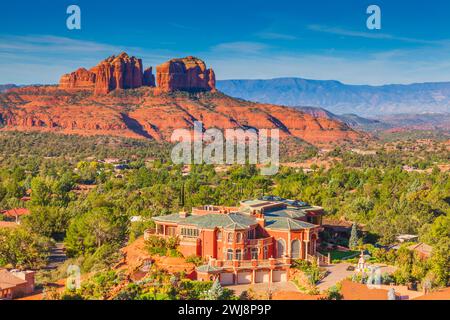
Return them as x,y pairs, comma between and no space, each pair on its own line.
16,284
252,243
15,214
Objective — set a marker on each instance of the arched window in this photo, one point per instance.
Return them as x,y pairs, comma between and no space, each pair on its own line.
239,237
254,253
230,254
238,254
281,248
295,249
219,235
230,237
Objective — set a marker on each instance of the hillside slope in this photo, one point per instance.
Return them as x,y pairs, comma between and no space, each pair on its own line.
140,113
4,87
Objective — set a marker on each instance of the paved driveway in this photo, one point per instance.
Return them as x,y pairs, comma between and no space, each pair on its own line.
263,287
338,272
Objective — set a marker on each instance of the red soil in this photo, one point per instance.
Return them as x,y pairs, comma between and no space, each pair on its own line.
142,114
443,294
357,291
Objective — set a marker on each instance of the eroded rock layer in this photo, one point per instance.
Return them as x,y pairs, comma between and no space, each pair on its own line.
142,114
186,74
125,72
115,72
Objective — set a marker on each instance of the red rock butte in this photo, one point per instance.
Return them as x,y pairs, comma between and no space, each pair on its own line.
146,113
186,74
125,72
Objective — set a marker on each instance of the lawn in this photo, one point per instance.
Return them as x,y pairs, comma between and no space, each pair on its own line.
340,255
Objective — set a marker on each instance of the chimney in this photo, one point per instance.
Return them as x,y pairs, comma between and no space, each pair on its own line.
28,276
183,214
260,219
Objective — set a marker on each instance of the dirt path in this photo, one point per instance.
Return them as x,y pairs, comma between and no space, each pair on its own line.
57,256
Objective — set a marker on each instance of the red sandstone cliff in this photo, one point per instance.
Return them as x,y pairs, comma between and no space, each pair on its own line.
121,72
188,74
125,72
149,78
81,78
146,115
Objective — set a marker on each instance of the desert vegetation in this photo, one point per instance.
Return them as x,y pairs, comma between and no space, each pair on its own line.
77,198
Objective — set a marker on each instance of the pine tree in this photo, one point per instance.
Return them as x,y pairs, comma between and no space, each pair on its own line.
353,242
182,195
216,291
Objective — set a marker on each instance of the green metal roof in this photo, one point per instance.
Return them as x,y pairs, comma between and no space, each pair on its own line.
174,217
285,213
256,202
232,221
207,268
282,223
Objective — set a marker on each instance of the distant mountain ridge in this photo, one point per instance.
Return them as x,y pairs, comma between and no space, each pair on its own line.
4,87
341,98
352,120
423,121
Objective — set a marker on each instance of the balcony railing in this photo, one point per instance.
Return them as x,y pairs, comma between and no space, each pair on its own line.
250,263
187,239
149,232
259,242
319,258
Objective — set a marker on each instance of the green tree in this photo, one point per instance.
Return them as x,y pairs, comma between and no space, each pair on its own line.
440,263
353,242
22,249
216,291
91,230
41,191
334,293
47,221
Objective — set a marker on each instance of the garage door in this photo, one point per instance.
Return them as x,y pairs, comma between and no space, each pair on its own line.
226,279
262,276
244,277
279,276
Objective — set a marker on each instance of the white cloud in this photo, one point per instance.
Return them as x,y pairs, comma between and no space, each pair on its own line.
276,36
44,58
373,69
239,47
428,62
52,44
368,35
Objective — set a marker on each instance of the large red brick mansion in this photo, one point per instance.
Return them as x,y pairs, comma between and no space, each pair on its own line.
252,243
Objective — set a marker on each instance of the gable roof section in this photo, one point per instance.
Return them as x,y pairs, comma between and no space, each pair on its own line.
173,217
286,213
422,248
283,223
17,212
7,280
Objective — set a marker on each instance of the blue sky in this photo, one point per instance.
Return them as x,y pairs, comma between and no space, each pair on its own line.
321,39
